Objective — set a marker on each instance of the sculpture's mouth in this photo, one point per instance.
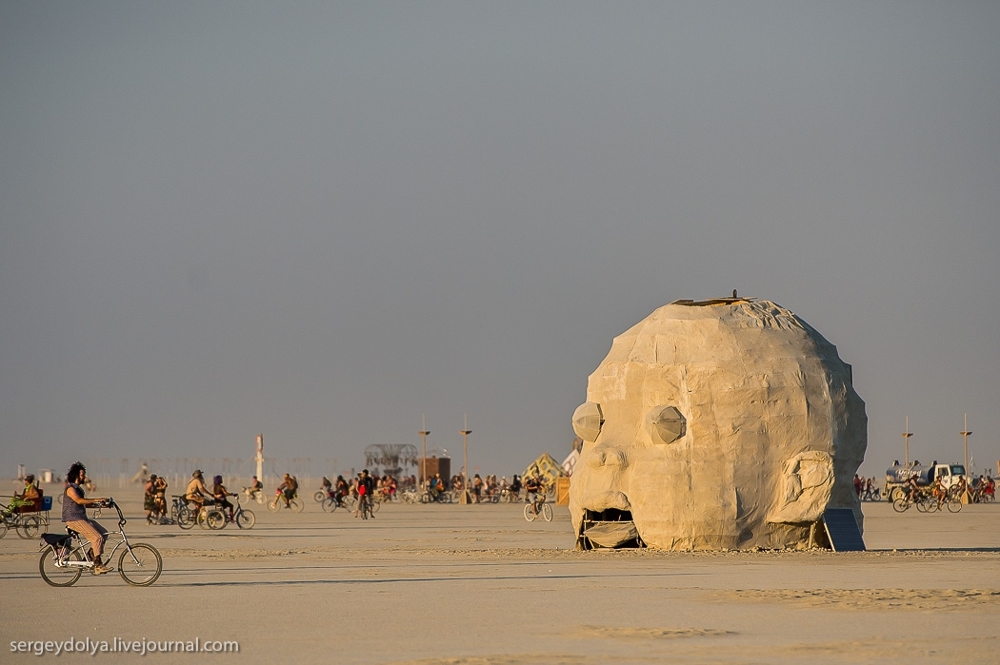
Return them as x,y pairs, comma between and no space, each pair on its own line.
607,522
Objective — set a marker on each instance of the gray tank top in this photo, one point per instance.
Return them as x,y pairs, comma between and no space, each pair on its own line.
72,511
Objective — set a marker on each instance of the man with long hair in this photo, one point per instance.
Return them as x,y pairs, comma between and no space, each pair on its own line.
74,514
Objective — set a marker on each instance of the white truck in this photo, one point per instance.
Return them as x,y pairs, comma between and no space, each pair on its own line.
897,475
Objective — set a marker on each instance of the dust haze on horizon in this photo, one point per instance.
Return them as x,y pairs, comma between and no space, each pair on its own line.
323,221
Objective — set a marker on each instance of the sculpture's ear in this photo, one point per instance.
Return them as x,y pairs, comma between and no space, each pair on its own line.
805,487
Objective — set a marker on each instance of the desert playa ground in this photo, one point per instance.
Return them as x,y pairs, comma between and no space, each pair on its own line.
479,585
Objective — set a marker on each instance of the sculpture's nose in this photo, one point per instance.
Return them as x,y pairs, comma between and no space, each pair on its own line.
605,456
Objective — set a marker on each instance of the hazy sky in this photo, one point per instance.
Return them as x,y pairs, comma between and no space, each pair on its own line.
321,221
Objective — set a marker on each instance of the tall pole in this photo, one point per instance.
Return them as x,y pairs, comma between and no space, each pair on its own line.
260,457
965,437
906,440
423,453
465,432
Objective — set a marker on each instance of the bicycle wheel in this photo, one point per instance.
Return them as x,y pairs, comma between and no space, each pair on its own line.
296,505
185,518
954,505
200,518
547,512
900,505
215,519
141,565
329,505
922,505
3,527
59,575
274,505
245,519
28,526
375,505
529,514
319,496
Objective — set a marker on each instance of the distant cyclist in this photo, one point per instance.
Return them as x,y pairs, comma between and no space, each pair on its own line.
196,491
288,488
221,494
365,488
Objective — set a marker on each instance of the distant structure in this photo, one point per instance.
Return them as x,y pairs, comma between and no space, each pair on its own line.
393,459
717,424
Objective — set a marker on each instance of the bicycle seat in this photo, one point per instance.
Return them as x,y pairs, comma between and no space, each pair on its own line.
57,539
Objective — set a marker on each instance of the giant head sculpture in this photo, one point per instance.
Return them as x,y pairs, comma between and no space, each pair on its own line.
719,424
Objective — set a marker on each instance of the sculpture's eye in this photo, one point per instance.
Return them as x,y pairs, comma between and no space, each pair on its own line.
666,424
588,420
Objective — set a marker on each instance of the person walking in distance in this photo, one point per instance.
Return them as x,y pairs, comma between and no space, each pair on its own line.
74,514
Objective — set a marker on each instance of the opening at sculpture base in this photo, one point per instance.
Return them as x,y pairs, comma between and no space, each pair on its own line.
719,424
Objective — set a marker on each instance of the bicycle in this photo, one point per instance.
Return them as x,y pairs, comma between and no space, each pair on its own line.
436,497
923,501
275,504
253,494
953,499
367,506
216,518
333,502
538,508
66,556
180,512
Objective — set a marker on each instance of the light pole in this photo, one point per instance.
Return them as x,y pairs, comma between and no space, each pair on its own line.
423,451
965,437
465,432
260,458
906,440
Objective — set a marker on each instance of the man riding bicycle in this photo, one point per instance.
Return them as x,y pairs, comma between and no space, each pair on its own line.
74,514
341,491
938,490
365,488
254,489
534,493
196,491
221,494
288,488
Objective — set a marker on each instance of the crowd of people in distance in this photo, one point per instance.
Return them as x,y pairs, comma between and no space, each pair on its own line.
983,489
388,488
380,488
979,490
867,489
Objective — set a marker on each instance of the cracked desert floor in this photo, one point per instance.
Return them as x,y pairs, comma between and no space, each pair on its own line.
480,585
